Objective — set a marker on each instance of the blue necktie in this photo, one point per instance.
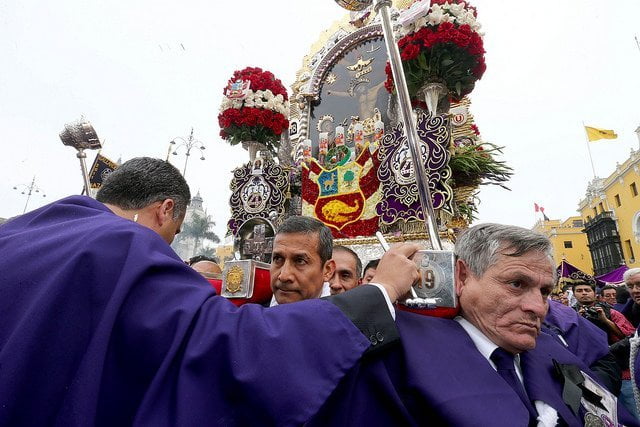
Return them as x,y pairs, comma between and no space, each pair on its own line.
505,367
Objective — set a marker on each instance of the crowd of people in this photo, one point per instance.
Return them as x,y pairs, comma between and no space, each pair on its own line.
103,324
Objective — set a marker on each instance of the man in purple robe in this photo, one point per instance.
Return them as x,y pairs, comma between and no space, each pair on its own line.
102,324
491,366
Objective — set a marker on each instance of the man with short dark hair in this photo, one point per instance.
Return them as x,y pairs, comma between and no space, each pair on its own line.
348,270
301,263
491,366
370,270
602,315
103,324
608,294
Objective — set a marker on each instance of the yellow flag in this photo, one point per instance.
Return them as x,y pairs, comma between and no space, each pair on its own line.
595,134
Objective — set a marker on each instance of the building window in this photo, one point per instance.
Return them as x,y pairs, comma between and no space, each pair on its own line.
627,245
601,207
568,244
636,226
634,189
578,223
595,211
617,199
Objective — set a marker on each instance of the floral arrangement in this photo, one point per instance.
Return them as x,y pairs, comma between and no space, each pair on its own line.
475,164
440,42
255,108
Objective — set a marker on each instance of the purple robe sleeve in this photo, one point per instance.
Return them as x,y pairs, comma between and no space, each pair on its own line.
102,324
583,338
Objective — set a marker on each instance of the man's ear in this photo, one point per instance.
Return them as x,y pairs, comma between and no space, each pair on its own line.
164,212
328,270
461,275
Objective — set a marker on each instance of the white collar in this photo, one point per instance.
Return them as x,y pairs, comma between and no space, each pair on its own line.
484,345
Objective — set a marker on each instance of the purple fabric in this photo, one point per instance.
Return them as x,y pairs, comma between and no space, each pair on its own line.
400,199
614,276
583,338
102,324
565,269
438,377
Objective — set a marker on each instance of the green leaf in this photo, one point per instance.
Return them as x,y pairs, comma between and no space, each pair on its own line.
422,61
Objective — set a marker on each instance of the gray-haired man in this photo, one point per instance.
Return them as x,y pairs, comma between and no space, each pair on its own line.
631,309
489,366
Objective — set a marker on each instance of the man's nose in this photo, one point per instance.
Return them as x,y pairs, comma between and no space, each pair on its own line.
285,273
535,302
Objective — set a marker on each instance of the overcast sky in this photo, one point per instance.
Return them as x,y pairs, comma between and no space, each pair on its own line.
550,66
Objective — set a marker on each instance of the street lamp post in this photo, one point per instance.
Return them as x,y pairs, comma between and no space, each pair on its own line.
188,144
28,190
82,136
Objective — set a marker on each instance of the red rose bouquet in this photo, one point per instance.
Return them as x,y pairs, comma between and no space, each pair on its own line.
255,107
440,43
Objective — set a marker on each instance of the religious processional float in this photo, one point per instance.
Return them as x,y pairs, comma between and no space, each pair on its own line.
345,158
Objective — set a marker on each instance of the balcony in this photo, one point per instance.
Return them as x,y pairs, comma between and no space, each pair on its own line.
602,216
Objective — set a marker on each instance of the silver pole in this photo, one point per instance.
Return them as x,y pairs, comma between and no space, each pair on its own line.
33,183
406,115
83,167
186,159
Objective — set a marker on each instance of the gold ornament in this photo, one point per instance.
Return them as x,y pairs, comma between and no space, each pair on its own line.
234,279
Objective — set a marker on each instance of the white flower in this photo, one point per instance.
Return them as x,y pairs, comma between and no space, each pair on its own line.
547,416
420,22
417,9
448,18
258,99
436,17
456,9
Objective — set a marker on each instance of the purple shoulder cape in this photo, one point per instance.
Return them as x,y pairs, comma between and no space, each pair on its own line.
102,324
583,338
439,378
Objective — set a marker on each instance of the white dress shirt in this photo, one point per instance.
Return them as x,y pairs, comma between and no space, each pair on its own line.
547,416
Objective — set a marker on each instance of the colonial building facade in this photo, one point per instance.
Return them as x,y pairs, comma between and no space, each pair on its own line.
611,214
568,240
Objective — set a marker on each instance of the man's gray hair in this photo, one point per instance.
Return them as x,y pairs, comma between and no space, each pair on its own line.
480,246
630,272
305,224
142,181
